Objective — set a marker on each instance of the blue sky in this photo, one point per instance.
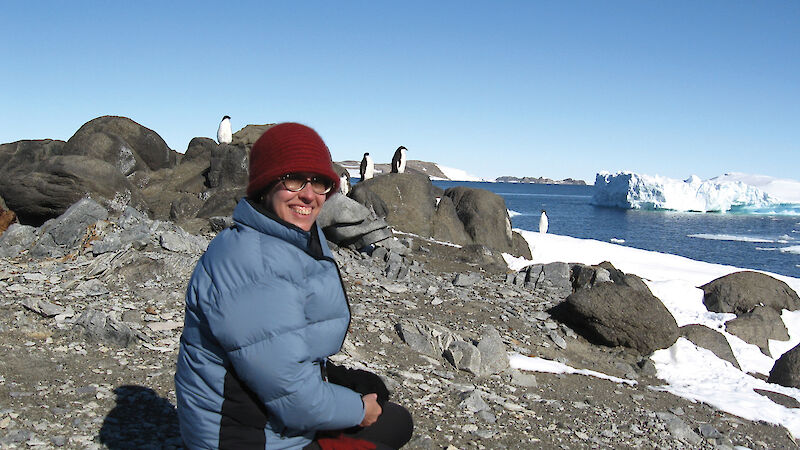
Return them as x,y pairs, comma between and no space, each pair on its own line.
554,89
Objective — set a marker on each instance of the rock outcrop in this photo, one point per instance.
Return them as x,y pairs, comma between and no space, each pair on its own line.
617,315
704,337
758,326
786,370
123,143
741,292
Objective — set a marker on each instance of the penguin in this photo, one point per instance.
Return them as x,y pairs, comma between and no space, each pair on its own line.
344,184
224,135
367,168
399,160
344,181
543,223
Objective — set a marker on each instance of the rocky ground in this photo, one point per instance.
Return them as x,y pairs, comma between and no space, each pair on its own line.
88,347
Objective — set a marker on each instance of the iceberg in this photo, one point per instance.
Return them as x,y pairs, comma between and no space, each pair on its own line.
635,191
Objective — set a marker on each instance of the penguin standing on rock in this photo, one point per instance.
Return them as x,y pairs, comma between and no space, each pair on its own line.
399,160
367,168
543,223
344,182
224,135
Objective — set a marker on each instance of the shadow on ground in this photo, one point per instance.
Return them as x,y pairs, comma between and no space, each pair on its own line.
141,420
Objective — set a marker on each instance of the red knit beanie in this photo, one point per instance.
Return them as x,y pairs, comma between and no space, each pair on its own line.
288,148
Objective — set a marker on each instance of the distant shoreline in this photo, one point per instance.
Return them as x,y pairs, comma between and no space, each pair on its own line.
437,172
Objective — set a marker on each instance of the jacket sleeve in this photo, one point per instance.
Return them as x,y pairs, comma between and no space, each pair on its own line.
262,329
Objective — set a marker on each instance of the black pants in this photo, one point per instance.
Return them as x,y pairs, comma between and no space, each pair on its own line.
391,431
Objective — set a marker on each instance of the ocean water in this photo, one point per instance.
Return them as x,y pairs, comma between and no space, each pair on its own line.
752,241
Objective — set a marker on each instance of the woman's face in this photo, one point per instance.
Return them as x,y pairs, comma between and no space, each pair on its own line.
299,208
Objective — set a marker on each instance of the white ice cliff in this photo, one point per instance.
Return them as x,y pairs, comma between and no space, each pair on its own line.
635,191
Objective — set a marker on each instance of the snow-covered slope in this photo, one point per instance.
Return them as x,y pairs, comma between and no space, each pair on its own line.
732,191
457,174
786,191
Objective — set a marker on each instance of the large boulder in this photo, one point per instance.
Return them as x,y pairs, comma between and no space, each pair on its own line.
409,200
46,189
709,339
618,315
64,234
27,154
484,216
229,167
248,135
741,292
221,203
123,143
446,225
786,370
758,327
199,148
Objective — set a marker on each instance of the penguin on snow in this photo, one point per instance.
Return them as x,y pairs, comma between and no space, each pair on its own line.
367,168
543,223
399,160
224,135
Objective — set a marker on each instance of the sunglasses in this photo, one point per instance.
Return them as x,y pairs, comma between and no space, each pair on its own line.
295,183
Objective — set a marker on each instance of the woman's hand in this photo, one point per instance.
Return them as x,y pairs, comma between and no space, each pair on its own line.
373,409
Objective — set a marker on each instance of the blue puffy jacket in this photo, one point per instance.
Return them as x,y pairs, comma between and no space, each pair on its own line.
264,307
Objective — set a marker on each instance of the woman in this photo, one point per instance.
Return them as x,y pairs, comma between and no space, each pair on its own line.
265,307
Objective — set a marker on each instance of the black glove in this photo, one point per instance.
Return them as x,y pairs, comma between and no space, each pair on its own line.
361,381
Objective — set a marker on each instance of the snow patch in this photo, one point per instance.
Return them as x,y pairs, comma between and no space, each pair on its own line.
457,174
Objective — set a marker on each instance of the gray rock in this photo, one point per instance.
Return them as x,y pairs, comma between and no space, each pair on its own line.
494,356
406,200
678,428
741,292
229,165
178,242
396,271
97,326
221,202
713,340
248,135
342,210
46,247
43,307
18,235
16,239
446,225
93,288
466,279
786,370
614,314
44,191
552,279
708,431
523,379
123,143
464,356
758,327
780,399
557,339
219,223
473,402
109,244
70,228
485,217
425,337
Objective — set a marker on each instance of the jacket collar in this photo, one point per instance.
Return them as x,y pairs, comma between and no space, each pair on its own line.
253,215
